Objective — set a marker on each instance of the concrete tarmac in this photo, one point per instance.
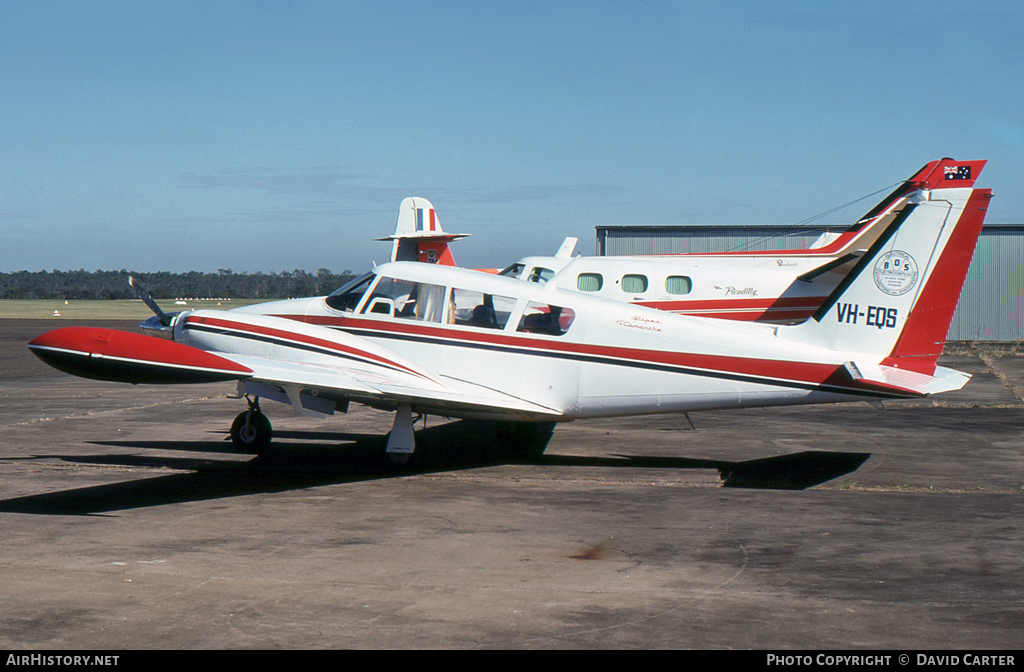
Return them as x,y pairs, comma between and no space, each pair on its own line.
128,522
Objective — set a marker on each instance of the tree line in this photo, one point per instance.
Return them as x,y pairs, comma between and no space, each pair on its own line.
224,284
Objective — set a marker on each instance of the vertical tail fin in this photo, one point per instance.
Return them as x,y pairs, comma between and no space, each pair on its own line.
418,234
417,215
897,303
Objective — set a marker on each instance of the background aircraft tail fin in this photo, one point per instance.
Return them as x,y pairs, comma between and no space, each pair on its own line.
567,247
418,235
417,215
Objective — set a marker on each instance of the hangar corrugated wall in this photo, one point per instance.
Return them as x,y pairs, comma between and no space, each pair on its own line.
990,305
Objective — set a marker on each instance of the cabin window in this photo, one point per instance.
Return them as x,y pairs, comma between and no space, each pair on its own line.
426,303
542,318
476,309
678,284
589,282
634,284
346,298
540,275
406,300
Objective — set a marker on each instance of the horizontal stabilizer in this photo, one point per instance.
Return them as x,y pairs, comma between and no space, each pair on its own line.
425,236
944,379
841,264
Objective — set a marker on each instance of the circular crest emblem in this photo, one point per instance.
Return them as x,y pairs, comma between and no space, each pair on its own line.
895,273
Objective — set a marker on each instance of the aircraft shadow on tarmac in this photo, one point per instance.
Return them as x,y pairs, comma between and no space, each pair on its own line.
310,459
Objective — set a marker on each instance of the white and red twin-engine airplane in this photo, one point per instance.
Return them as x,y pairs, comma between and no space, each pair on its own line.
425,338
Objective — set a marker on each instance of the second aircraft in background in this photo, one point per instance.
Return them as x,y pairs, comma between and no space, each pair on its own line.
778,286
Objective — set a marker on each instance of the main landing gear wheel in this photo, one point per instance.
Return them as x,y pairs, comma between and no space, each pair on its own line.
402,447
524,439
251,432
404,461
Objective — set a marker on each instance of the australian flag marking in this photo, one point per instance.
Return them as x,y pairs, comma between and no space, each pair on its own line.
958,172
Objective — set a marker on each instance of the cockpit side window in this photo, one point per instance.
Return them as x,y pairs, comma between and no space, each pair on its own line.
346,298
406,300
542,318
426,303
389,297
476,309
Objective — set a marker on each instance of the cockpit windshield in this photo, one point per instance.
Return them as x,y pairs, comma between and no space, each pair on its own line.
346,297
540,275
513,271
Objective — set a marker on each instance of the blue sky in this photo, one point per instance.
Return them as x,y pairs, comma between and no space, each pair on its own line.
268,136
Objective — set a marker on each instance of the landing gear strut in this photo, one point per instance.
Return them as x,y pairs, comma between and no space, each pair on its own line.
251,431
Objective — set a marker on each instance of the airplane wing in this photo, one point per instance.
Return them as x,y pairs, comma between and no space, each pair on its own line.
386,389
346,368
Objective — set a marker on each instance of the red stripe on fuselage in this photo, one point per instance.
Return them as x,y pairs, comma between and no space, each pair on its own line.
748,310
789,316
748,304
301,338
811,373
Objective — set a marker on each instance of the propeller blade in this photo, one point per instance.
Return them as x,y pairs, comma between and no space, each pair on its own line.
164,318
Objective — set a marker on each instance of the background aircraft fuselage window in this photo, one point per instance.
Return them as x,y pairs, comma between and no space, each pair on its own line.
589,282
678,284
634,284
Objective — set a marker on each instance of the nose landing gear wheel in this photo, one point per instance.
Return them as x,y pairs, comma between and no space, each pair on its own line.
251,432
